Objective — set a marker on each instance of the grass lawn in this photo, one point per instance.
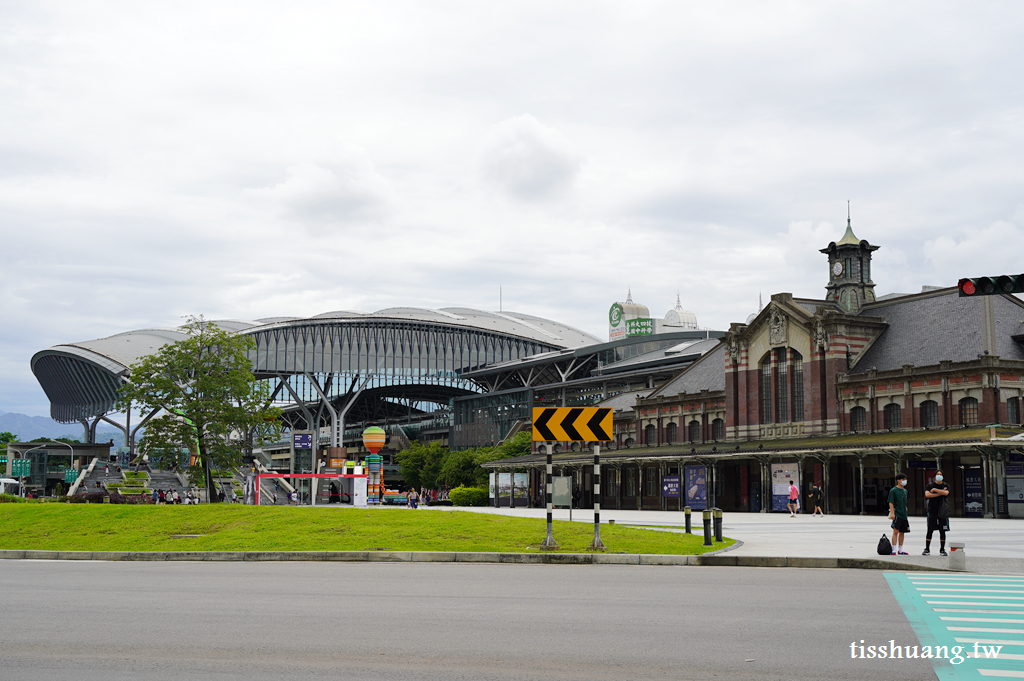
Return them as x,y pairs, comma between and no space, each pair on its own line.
234,527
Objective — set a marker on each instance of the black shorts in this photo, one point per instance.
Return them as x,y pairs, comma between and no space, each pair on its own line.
901,525
941,524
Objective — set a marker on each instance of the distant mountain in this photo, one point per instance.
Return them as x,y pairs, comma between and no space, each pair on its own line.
29,428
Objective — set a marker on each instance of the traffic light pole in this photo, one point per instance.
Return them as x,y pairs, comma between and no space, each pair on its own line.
597,544
549,541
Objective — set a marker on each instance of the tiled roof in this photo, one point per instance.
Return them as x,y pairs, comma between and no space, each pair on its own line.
707,373
928,328
624,401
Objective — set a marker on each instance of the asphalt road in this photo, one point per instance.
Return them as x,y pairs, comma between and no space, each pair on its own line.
284,621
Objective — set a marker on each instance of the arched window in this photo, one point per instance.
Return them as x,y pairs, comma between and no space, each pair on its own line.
694,431
858,419
671,432
650,434
929,414
892,417
718,430
968,411
1013,410
630,442
782,386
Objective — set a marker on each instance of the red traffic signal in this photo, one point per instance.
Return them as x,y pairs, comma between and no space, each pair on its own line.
990,286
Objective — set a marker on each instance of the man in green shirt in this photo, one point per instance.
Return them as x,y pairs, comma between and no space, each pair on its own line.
898,514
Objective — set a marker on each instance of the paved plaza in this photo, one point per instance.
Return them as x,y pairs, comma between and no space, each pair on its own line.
991,545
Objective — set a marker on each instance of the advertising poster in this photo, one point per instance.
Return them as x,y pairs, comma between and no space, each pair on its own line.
670,486
782,475
696,486
520,489
490,485
504,488
1015,490
972,493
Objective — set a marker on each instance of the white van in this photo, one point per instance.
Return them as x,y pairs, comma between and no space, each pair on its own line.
8,486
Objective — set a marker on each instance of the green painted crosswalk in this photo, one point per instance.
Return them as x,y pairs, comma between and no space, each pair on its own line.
971,626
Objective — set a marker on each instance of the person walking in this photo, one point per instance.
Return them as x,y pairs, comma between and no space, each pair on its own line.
937,494
794,498
414,498
816,499
898,514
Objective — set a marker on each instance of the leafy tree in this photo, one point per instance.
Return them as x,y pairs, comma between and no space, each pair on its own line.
421,463
212,404
6,437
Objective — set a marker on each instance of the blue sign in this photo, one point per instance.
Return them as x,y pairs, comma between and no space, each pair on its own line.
1015,470
670,486
921,464
302,441
696,487
973,491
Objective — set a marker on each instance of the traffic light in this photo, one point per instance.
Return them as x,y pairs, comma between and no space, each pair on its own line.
991,286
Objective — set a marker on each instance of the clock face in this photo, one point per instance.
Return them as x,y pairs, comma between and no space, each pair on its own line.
837,269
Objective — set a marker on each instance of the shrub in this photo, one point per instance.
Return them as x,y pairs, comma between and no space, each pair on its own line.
468,496
10,499
95,497
116,497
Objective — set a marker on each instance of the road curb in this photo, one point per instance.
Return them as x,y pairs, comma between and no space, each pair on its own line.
714,559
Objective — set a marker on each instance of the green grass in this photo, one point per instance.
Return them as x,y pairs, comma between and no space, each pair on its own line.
234,527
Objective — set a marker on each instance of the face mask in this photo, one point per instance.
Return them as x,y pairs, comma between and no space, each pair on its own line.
938,478
901,483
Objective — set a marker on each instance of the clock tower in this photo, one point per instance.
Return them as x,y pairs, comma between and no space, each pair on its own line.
849,270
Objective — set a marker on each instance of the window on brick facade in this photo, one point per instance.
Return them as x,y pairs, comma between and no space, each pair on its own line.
671,432
718,430
650,481
930,414
1013,410
798,386
766,389
630,482
858,418
610,482
968,411
781,386
694,431
892,415
650,434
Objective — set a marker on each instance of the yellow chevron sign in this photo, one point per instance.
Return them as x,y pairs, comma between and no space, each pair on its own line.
561,424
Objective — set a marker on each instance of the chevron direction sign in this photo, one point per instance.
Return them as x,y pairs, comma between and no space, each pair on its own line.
561,424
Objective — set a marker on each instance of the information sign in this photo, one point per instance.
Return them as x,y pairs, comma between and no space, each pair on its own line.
670,486
21,468
302,441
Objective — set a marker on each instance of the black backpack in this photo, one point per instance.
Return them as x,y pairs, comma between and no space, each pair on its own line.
884,546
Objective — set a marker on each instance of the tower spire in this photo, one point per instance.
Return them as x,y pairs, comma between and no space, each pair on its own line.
629,296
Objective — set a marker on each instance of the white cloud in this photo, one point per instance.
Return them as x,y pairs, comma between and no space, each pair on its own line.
529,161
987,251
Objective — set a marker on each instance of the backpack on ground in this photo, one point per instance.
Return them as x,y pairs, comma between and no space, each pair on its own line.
884,546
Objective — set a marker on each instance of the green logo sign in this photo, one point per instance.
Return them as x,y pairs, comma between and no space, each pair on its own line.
21,468
615,314
640,327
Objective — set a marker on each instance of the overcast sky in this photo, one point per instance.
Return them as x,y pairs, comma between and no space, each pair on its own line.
252,159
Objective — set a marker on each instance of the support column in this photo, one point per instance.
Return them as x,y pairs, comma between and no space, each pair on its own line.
549,541
597,544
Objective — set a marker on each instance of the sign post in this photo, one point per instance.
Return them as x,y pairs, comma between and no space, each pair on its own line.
597,543
549,541
564,424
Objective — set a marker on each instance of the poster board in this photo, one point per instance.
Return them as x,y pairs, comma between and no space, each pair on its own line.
782,475
504,488
695,485
561,491
520,489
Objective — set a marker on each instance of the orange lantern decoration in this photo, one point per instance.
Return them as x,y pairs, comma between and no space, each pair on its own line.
374,438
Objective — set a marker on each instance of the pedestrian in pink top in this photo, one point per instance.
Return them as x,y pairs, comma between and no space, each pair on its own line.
794,499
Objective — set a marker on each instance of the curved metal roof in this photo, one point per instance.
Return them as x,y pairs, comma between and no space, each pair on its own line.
70,373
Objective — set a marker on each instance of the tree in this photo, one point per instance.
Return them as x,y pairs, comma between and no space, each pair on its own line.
212,404
421,463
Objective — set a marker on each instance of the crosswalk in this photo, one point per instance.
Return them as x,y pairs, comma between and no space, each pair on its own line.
981,617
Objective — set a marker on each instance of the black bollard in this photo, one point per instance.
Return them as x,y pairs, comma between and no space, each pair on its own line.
707,527
689,527
718,525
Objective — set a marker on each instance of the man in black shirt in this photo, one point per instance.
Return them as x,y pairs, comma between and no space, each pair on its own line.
937,494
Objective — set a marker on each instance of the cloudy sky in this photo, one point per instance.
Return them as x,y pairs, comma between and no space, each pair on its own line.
251,159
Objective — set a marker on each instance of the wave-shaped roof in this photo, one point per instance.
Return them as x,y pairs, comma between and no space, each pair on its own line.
116,353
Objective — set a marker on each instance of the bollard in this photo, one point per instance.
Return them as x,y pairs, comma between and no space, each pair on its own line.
689,527
957,557
718,525
707,527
